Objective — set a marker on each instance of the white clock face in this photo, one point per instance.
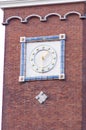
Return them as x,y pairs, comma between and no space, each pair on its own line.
43,58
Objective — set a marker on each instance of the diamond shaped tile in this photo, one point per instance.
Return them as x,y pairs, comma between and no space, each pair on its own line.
41,97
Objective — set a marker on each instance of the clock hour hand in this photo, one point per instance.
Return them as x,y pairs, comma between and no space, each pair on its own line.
45,55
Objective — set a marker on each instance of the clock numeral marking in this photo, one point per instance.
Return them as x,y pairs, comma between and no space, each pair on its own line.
33,65
48,48
31,59
33,54
37,49
53,63
43,47
42,70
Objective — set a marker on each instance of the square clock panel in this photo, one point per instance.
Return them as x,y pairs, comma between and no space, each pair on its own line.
42,58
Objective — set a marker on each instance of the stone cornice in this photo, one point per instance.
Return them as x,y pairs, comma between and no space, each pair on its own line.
24,3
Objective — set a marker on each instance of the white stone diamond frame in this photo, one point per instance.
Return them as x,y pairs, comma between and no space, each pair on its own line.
26,40
41,97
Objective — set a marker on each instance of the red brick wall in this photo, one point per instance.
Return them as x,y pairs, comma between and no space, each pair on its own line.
84,77
63,109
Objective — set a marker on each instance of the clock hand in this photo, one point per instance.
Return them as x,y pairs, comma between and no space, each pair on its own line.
45,55
42,58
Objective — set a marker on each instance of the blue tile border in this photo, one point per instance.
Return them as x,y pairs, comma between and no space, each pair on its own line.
42,38
62,56
22,60
41,78
25,40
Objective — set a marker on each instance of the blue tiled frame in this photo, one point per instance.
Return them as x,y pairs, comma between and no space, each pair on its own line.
25,40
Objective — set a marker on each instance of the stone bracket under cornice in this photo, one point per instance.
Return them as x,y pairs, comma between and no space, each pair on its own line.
42,19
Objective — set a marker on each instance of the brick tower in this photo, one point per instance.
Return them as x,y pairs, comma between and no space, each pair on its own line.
45,65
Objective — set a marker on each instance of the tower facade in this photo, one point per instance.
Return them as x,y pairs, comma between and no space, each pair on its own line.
44,67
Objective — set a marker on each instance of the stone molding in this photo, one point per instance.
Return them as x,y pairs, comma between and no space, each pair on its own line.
42,19
23,3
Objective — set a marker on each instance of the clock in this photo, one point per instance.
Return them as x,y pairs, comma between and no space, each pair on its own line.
43,58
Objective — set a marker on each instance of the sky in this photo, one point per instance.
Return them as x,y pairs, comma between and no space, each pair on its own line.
2,28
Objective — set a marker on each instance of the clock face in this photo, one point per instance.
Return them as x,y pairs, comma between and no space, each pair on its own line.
43,58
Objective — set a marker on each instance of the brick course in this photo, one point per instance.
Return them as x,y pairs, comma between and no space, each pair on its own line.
63,109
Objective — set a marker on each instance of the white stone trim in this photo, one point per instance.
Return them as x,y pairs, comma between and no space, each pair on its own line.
62,76
23,3
41,97
21,78
22,39
33,15
73,12
62,36
52,14
13,17
42,19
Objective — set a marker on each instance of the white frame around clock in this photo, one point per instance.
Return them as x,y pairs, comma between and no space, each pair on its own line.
56,39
